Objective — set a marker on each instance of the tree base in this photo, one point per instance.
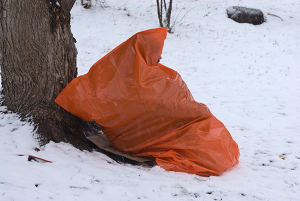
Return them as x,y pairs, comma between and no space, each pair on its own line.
71,130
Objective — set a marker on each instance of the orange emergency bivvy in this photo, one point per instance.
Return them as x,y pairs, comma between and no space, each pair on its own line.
146,109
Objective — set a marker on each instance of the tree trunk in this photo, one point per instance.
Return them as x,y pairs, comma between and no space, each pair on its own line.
38,61
168,16
159,13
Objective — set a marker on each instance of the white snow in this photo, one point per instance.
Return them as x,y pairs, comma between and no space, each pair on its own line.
249,76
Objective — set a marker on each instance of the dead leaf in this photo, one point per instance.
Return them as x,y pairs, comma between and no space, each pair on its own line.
282,157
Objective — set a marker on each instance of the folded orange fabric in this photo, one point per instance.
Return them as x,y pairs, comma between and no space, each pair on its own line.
146,109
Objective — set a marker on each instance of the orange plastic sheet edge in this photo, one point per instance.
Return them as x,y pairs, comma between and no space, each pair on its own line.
146,109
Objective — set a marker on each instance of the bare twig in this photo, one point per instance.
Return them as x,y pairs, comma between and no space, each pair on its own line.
275,16
178,14
181,18
114,18
206,14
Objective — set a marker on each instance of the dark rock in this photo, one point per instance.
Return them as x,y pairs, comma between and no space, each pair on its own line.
245,15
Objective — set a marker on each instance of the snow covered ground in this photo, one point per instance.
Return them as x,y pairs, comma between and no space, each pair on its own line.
249,76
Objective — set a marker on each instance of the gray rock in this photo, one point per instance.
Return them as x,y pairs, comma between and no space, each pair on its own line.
245,15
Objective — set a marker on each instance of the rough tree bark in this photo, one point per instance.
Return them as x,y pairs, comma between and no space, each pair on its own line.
38,61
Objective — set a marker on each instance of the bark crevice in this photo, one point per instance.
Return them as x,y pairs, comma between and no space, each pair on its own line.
38,61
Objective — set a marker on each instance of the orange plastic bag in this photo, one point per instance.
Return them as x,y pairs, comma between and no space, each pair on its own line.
146,109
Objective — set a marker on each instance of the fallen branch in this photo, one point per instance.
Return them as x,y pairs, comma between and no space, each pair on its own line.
275,16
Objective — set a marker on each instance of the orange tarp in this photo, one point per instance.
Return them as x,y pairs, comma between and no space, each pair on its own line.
146,109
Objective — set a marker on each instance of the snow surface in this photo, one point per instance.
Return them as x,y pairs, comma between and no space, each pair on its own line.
247,75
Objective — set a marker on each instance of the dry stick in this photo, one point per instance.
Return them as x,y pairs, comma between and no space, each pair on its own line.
275,16
206,14
34,157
